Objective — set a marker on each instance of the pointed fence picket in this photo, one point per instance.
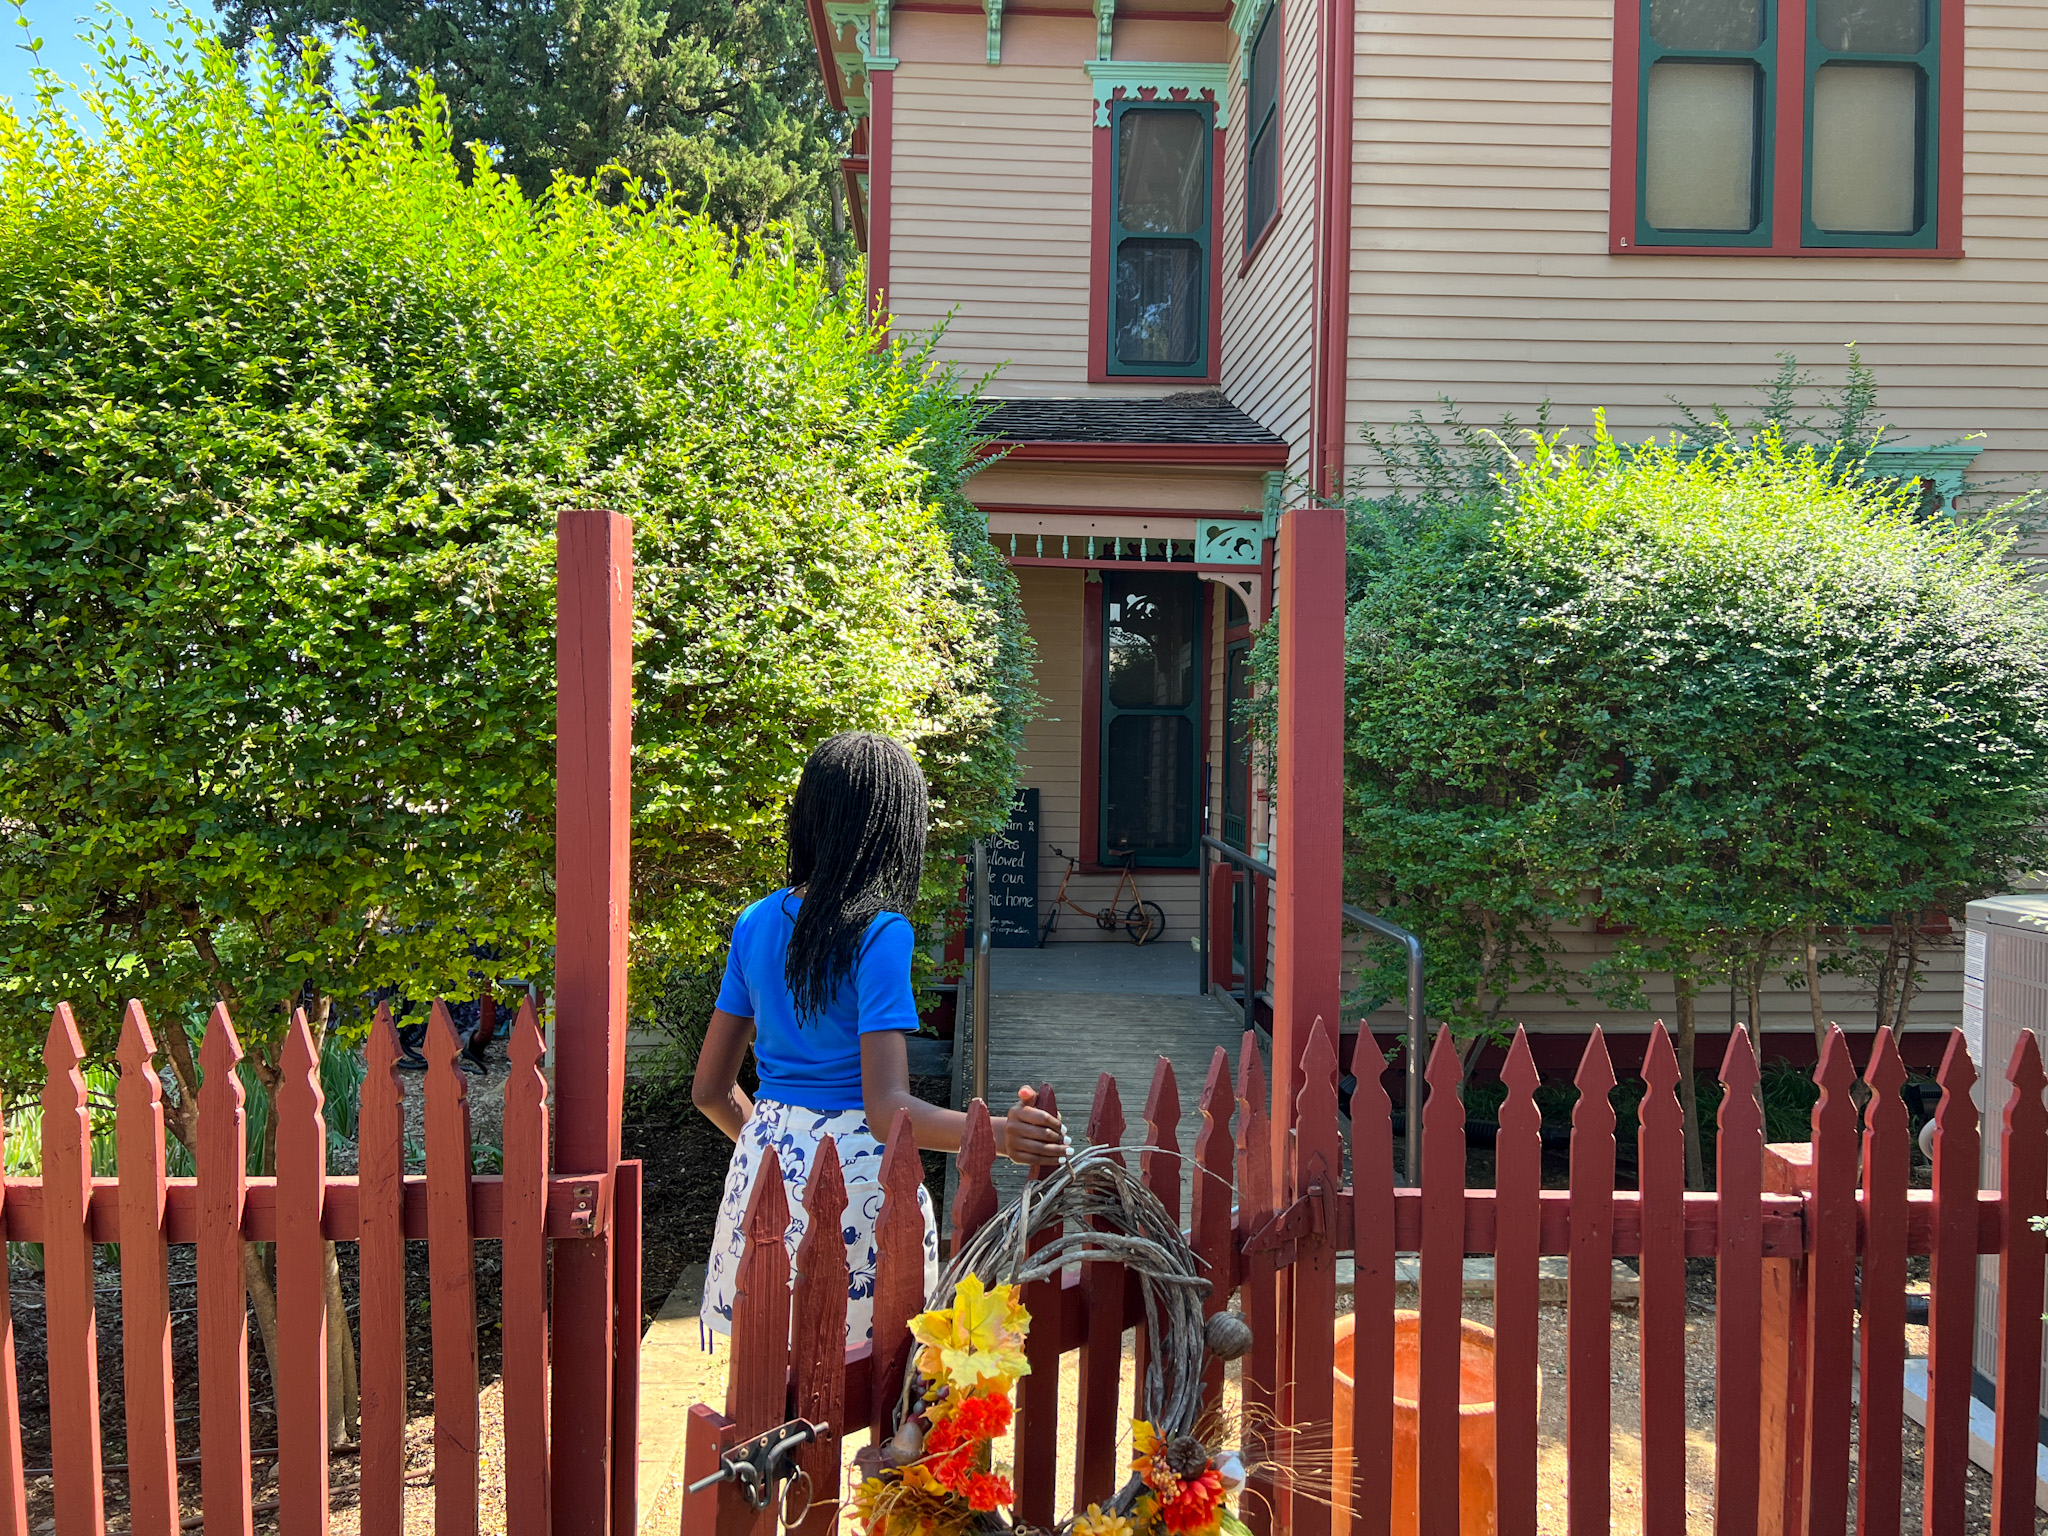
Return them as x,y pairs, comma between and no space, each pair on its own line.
1097,1428
303,1211
1809,1243
1810,1246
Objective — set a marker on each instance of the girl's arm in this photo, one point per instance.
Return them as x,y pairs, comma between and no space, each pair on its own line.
1027,1134
716,1088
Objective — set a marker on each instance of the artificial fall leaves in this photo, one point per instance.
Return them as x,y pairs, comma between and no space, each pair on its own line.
978,1342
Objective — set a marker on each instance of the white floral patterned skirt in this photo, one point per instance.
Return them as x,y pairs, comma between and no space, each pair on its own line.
794,1134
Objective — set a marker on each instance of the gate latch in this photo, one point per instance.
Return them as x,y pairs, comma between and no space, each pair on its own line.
760,1465
1310,1215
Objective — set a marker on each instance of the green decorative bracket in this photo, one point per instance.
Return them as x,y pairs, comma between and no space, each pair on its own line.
1269,511
1245,17
866,22
1105,20
995,29
1943,468
1228,541
1157,82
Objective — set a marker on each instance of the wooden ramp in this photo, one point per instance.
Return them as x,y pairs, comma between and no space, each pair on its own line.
1066,1014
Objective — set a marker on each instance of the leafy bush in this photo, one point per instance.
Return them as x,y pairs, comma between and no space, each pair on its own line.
288,409
1716,695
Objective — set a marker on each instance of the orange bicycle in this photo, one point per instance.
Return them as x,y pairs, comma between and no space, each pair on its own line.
1142,920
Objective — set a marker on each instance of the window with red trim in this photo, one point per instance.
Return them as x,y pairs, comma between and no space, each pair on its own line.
1788,126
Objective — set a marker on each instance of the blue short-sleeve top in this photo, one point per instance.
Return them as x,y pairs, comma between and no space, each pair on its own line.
815,1064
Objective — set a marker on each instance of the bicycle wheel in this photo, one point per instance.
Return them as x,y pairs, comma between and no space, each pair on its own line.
1144,922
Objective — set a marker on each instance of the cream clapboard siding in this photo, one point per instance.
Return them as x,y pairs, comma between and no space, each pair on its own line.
1480,271
1269,308
992,188
1938,1005
1480,265
1053,598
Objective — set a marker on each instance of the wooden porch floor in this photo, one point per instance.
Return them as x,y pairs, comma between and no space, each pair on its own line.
1067,1013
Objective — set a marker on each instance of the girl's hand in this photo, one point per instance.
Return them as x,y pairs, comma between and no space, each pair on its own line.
1030,1135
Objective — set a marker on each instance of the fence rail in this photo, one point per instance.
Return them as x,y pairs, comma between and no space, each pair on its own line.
301,1210
1810,1245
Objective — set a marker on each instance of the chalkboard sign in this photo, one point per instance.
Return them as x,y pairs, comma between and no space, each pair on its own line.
1013,877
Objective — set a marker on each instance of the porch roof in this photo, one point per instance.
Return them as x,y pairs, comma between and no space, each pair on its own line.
1201,420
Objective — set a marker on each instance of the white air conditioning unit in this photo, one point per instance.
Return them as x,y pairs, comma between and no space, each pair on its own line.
2005,991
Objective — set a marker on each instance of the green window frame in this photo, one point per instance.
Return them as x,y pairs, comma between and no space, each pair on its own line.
1133,732
1262,128
1925,62
1824,42
1133,287
1763,59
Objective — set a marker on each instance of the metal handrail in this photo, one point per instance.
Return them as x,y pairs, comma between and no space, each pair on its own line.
1412,1162
1244,861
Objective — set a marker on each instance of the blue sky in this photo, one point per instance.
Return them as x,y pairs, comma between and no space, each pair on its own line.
57,22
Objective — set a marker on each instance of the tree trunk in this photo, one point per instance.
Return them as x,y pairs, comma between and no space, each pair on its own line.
1820,1029
1909,979
344,1415
256,1277
1757,965
835,270
1688,1090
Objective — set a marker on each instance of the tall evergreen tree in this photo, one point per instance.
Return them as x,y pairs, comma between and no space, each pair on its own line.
719,101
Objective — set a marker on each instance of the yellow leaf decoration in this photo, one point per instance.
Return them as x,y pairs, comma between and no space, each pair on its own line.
976,1342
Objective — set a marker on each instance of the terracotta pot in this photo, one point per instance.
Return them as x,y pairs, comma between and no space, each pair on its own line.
1475,1425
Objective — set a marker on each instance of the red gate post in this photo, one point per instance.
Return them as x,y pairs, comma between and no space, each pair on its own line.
1308,845
593,848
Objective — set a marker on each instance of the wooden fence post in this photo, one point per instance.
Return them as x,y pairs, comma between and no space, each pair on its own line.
1308,954
593,848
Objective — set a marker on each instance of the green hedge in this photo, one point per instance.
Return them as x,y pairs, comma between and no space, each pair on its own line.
288,410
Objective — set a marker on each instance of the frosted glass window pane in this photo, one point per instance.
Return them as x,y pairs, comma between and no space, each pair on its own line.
1871,26
1161,159
1866,148
1699,171
1704,24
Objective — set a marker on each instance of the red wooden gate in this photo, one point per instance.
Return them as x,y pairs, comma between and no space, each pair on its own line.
1791,1230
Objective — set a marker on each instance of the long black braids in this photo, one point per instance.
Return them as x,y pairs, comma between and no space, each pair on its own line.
856,845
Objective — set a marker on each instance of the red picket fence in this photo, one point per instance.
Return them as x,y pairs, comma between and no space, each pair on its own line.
1810,1245
380,1208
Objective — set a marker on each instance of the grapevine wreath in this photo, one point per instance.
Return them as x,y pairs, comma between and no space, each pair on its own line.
936,1475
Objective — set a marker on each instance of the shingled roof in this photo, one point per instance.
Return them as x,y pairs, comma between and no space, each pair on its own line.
1191,418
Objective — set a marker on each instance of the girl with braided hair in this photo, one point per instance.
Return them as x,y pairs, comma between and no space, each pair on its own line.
818,982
